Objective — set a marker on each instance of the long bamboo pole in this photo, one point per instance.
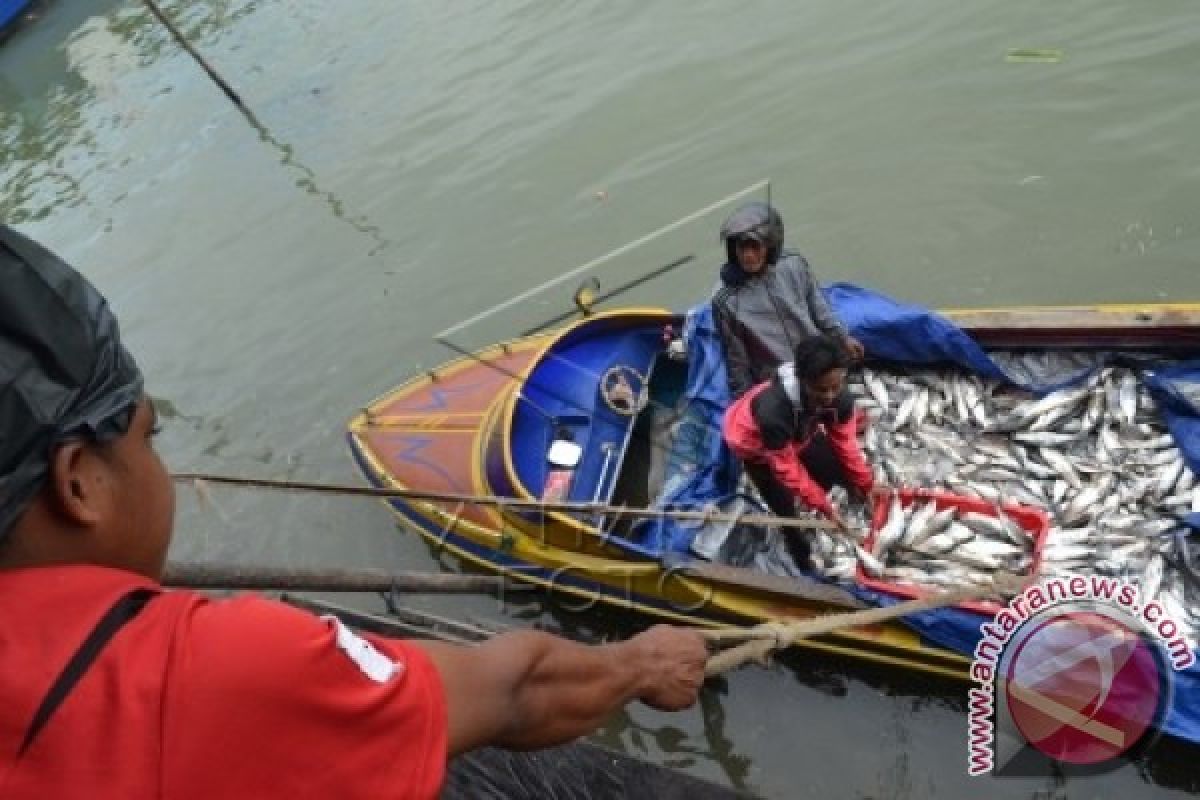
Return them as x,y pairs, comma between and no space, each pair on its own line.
239,576
412,628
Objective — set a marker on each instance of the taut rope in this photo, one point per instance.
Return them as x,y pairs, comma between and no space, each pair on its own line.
502,502
758,642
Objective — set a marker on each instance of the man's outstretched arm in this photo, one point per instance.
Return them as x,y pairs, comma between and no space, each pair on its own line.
525,690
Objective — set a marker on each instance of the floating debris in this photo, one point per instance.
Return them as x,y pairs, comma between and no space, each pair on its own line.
1034,55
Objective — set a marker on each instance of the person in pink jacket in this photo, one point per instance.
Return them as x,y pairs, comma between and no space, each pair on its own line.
797,435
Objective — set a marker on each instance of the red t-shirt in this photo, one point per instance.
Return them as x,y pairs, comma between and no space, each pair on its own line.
196,698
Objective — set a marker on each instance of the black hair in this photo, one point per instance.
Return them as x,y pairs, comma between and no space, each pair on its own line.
817,355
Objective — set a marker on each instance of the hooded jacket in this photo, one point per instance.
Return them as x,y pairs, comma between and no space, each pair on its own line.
762,317
772,424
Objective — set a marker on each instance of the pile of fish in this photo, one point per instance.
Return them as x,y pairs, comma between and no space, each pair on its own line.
1095,457
924,544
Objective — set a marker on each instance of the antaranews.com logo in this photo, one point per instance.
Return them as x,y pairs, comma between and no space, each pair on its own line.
1077,668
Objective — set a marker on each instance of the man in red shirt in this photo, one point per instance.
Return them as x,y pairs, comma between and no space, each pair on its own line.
113,688
778,428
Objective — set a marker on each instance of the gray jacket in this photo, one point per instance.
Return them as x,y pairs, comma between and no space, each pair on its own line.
761,318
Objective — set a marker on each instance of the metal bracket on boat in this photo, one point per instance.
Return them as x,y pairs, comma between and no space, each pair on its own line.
609,447
585,296
619,394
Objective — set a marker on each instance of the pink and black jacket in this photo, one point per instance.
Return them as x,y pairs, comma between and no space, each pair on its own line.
771,424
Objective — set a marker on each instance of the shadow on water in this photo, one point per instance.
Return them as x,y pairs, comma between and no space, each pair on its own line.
50,122
43,102
834,675
308,182
287,152
679,748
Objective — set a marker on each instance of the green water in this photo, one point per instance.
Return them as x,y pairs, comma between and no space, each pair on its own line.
417,163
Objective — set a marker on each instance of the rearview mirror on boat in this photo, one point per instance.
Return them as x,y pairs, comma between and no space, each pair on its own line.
564,454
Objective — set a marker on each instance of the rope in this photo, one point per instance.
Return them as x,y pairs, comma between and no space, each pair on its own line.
767,638
200,479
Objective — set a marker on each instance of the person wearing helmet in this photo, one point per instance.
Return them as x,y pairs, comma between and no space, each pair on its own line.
796,436
768,300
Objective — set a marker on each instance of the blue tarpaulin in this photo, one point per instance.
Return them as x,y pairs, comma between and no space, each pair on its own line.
10,10
701,470
907,334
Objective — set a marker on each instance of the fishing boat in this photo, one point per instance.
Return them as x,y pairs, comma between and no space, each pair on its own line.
569,415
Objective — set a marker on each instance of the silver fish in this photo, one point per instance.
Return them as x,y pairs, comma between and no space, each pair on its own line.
1152,577
870,564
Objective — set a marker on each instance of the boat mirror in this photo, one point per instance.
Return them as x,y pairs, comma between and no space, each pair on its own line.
564,454
586,295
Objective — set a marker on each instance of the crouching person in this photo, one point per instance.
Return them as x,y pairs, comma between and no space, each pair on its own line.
796,435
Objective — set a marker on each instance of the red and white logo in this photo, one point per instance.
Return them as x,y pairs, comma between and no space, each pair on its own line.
1082,686
1076,669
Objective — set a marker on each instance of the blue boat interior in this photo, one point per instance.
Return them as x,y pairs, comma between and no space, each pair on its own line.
562,399
10,10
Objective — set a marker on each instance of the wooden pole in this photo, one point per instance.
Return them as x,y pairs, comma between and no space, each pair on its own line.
415,627
454,627
238,576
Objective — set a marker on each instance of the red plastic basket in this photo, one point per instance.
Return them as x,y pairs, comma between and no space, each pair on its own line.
1033,520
